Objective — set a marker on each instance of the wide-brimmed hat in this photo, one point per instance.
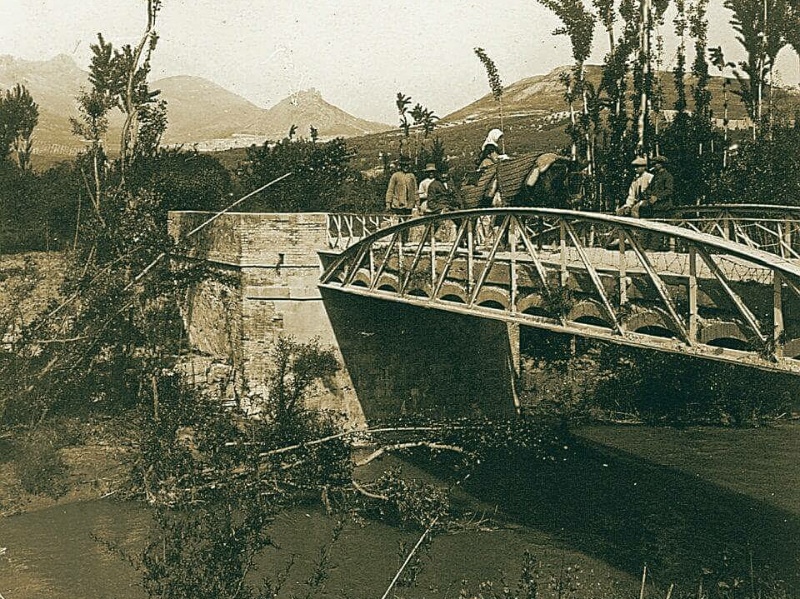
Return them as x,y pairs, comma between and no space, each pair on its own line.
430,167
639,161
659,160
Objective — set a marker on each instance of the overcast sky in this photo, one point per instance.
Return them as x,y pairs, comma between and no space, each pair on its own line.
358,53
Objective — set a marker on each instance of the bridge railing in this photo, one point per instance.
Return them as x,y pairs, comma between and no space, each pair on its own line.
774,229
347,228
630,281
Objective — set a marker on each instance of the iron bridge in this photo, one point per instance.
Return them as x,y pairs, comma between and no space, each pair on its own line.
719,289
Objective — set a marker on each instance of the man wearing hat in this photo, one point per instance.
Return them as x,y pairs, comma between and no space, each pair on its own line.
640,183
430,175
658,197
401,195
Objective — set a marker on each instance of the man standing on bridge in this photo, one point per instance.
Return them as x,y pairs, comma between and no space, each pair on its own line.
401,195
658,197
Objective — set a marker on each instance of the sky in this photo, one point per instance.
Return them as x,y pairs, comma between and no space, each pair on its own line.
357,53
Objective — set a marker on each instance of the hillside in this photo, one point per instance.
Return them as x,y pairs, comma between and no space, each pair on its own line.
544,94
199,111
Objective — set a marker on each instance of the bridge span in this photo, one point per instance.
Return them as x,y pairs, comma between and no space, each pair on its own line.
634,282
425,314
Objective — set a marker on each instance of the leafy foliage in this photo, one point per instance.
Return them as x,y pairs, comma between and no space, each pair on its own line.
186,180
495,84
319,174
759,173
214,496
578,25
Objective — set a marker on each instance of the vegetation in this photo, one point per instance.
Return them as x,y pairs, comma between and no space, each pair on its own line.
495,83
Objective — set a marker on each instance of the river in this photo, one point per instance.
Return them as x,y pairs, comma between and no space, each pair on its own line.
690,503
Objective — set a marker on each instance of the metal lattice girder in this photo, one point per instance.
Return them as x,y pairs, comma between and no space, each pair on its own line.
661,286
771,228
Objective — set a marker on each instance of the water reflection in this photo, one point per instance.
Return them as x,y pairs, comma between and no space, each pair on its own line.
628,511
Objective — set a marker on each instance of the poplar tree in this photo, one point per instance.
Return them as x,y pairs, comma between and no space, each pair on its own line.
19,115
495,84
578,25
762,27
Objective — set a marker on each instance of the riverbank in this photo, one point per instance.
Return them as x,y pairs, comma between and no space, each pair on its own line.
64,461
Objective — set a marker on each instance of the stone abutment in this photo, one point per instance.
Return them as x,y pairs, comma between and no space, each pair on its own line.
264,270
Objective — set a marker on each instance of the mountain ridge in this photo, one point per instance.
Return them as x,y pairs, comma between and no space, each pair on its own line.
548,92
200,112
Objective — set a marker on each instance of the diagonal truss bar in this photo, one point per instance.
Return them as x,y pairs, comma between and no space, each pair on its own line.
355,265
415,260
661,287
490,259
739,233
779,238
450,258
598,284
537,263
385,260
745,312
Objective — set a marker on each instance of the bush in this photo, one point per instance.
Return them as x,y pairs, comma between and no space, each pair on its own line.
762,172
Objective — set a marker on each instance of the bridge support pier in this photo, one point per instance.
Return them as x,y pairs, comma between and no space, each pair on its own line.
264,273
404,359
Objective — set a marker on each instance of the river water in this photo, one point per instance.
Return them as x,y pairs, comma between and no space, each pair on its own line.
690,503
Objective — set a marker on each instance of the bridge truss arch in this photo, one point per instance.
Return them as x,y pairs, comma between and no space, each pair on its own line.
628,281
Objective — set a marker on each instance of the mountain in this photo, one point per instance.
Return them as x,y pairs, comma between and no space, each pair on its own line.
307,108
199,112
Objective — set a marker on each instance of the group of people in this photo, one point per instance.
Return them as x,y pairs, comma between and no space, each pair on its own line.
650,193
433,195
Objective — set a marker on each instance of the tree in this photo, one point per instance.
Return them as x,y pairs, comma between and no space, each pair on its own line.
320,171
761,26
578,24
184,180
19,115
117,329
402,102
718,60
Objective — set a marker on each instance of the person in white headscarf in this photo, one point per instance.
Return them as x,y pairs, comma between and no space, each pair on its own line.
490,150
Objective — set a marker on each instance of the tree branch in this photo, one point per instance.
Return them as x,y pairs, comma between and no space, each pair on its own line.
430,445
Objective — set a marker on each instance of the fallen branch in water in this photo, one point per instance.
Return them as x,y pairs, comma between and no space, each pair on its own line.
408,559
430,445
367,493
